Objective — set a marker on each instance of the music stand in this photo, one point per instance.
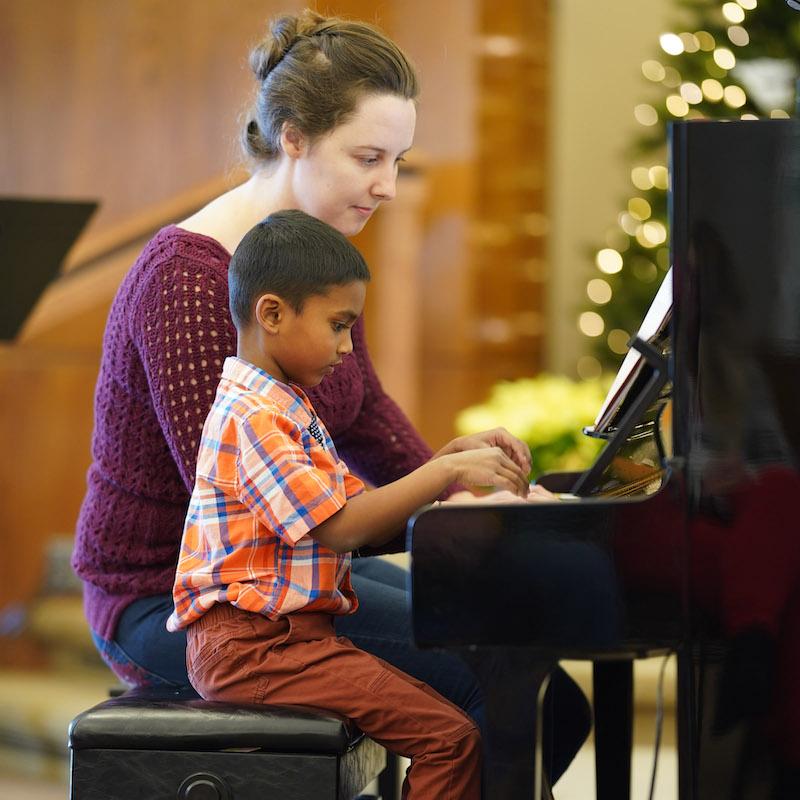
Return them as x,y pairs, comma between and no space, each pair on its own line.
35,236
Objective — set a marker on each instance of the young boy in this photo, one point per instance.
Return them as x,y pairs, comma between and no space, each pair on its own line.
274,514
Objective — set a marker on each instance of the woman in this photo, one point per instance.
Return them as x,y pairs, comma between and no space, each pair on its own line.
334,115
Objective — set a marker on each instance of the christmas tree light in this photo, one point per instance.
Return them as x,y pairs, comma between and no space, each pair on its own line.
735,60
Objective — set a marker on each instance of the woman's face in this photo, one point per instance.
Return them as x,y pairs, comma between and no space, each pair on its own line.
346,174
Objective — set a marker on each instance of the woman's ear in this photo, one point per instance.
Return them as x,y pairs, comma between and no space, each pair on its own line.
293,142
269,312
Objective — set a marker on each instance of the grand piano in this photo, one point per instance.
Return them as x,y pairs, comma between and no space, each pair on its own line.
684,536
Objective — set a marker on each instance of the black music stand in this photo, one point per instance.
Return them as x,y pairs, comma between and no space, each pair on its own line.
35,236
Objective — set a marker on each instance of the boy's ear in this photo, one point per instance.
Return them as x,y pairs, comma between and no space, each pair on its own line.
293,142
269,312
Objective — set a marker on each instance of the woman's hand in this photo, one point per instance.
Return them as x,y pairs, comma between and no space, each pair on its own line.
514,448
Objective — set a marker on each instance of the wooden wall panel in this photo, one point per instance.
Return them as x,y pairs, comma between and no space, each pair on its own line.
135,103
125,101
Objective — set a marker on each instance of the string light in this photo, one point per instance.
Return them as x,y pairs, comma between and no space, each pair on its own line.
659,176
690,42
599,291
640,176
639,208
672,77
588,367
706,41
645,114
734,96
671,44
724,58
628,223
738,35
618,341
608,261
712,90
691,93
733,12
645,270
590,323
653,70
677,106
637,247
655,232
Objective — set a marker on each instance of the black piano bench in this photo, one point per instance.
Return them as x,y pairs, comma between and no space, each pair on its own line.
170,745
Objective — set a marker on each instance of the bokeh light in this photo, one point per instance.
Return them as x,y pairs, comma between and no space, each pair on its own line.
733,12
618,341
724,58
659,176
712,90
639,208
671,44
691,93
677,106
608,261
738,36
706,41
590,323
734,96
640,176
653,70
588,367
645,114
599,291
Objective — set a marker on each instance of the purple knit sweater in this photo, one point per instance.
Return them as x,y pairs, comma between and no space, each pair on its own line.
168,332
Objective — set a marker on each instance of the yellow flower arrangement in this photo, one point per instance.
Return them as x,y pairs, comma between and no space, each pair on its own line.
547,412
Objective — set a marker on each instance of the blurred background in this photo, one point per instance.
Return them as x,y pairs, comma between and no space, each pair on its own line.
526,240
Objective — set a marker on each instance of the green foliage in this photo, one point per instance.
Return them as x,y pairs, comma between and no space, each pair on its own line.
767,58
547,412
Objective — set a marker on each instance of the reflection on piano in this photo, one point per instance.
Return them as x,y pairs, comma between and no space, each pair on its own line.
685,534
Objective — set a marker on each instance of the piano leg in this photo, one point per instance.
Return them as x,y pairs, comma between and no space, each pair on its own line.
613,728
514,680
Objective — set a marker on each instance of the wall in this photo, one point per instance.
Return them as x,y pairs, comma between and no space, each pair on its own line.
598,49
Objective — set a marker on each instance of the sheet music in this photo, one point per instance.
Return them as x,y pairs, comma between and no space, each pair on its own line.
654,322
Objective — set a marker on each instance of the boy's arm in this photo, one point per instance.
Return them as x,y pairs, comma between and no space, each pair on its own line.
373,518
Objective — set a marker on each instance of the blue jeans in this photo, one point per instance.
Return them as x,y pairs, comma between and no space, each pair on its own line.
145,653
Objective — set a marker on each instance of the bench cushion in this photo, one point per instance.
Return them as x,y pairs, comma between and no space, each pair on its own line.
179,720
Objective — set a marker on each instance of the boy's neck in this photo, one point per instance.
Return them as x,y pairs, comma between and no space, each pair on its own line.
254,354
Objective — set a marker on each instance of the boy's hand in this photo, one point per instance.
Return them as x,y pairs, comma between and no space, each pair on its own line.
496,437
488,466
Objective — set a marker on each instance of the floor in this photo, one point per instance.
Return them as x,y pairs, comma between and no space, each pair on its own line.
577,783
17,781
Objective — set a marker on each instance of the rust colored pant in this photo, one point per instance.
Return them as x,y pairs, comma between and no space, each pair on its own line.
240,657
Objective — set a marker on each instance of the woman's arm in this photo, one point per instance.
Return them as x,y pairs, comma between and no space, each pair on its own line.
182,329
381,445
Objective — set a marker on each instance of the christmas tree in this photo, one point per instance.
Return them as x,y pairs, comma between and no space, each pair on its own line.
725,60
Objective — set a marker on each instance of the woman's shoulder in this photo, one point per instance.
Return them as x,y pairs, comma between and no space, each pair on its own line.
173,252
174,241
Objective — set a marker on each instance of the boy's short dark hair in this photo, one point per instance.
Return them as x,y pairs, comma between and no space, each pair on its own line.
293,255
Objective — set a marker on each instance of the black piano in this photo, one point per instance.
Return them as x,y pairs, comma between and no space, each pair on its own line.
685,536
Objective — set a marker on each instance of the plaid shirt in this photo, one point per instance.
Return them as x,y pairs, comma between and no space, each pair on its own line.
263,482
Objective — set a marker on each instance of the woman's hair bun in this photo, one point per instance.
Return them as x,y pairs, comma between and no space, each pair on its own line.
312,71
283,34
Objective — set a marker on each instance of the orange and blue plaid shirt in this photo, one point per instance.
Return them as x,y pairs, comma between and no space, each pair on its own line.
267,475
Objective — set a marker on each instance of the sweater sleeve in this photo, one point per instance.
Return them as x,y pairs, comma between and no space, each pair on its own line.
183,332
381,445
